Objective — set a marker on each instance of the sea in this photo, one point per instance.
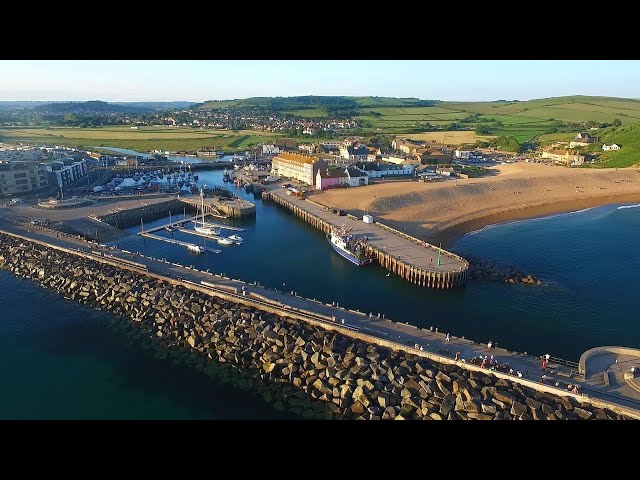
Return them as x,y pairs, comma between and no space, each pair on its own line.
54,349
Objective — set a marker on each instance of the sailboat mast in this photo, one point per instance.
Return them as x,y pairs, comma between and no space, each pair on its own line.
202,200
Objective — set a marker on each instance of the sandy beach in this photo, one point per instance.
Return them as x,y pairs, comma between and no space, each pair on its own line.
444,211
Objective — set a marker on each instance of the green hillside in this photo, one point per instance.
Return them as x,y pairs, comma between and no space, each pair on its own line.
521,120
628,137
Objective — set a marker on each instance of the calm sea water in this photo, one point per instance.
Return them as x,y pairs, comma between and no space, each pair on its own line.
588,259
59,360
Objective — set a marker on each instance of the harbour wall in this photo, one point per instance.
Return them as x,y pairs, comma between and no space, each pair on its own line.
131,217
308,367
418,276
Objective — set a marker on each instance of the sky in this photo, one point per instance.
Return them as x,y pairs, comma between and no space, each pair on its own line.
200,80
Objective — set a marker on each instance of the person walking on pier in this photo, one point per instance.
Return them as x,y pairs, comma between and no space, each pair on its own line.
447,338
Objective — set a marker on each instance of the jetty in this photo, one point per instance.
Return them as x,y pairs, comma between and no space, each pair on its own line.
408,257
218,225
175,242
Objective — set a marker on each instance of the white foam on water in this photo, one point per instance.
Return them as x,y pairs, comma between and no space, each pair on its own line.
628,206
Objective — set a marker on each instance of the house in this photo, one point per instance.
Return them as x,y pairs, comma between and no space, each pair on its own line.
434,155
354,177
405,145
582,140
446,171
329,178
307,147
567,157
613,146
355,154
383,169
297,166
270,149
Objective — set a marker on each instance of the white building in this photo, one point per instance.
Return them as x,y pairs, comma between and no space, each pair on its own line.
613,146
66,174
270,150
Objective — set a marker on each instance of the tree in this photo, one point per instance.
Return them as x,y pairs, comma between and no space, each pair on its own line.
617,122
483,130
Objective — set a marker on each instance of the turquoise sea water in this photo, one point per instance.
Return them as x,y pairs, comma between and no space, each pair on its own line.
589,261
59,360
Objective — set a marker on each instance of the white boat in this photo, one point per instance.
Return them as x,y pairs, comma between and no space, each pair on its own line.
236,238
196,248
204,229
225,241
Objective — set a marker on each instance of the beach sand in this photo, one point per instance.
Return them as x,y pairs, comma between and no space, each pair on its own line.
444,211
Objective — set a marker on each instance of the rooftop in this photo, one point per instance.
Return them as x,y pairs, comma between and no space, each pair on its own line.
296,157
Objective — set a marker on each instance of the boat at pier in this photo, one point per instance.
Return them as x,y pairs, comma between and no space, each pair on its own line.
195,248
225,176
225,241
349,247
204,229
236,238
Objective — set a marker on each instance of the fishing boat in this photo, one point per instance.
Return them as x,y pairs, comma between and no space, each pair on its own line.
349,247
225,241
195,248
204,229
225,176
236,238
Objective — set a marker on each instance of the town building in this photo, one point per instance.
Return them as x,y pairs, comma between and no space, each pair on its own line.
328,178
384,169
269,149
21,177
67,171
582,140
566,157
353,153
340,177
297,166
307,147
405,145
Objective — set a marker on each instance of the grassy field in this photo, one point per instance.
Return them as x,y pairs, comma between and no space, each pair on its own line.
451,138
145,139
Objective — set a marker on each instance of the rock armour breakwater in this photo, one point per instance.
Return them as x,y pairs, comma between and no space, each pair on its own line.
315,372
484,269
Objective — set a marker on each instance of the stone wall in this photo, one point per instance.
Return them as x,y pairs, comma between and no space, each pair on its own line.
306,369
131,217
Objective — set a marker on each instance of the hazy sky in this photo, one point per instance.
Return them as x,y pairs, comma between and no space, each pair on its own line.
199,80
